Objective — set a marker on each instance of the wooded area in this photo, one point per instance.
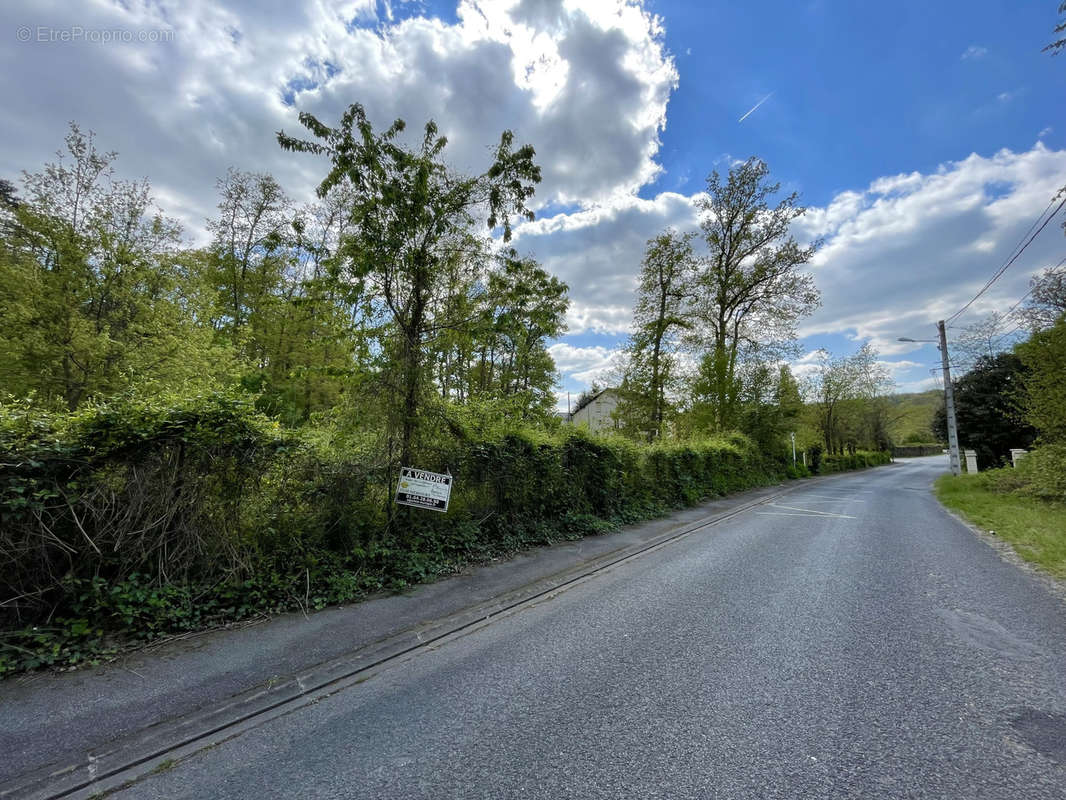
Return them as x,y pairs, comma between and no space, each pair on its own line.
192,435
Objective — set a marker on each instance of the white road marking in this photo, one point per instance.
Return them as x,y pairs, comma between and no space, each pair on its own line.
792,514
811,512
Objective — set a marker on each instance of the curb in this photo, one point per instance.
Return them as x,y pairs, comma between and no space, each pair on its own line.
130,758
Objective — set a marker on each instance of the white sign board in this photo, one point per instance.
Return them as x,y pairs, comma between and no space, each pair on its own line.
423,489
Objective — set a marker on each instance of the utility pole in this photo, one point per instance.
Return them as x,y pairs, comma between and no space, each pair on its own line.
793,435
949,402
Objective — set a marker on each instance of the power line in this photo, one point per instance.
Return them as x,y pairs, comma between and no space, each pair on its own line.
1006,317
1014,257
1032,288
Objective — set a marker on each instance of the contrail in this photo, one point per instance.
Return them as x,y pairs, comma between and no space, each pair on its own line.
755,107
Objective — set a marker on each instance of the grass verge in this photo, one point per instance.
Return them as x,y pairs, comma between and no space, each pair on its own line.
1035,528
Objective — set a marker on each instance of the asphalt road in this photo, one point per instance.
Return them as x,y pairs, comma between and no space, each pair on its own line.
853,640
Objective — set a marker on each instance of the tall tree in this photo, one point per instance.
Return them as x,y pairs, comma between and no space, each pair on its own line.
526,307
409,215
663,295
981,338
1044,400
751,289
254,218
988,409
91,291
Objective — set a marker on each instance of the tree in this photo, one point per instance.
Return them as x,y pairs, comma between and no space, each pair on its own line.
751,291
978,339
988,409
1047,299
842,388
92,294
1044,400
663,293
254,218
525,308
1058,45
409,215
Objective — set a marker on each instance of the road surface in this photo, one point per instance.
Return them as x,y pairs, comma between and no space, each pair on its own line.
850,640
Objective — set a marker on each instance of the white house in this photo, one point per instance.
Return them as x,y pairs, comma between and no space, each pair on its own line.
595,413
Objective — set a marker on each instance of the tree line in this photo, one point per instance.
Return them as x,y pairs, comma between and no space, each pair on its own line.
384,297
195,434
715,325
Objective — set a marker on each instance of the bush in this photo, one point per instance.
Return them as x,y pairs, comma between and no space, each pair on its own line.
1042,473
129,488
137,520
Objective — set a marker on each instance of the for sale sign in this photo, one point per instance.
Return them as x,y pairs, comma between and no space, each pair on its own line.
423,489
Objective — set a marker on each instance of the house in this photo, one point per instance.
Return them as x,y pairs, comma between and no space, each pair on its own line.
594,411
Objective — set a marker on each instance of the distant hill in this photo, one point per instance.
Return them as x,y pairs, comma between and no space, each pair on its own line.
912,416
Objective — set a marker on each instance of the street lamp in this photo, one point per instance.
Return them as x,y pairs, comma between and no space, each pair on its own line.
949,396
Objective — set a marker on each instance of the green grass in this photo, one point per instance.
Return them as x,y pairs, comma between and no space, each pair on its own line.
1036,528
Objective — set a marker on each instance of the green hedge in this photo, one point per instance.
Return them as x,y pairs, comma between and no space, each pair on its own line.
139,520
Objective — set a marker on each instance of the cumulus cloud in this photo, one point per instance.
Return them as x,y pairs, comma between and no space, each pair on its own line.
974,52
585,81
586,365
598,251
911,249
899,254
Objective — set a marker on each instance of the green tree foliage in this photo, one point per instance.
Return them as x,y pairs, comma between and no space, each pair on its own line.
1043,357
988,410
911,416
845,392
280,300
660,315
410,215
522,309
751,291
93,295
248,259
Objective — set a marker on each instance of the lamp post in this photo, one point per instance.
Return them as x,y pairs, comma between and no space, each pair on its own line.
949,396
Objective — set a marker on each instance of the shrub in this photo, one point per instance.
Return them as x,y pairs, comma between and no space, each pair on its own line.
1042,473
137,520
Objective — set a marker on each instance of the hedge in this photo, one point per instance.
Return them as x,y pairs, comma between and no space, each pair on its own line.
138,520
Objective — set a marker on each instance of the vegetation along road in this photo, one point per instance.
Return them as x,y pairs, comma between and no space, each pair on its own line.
850,640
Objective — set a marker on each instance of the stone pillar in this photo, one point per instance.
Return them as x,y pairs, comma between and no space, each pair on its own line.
971,461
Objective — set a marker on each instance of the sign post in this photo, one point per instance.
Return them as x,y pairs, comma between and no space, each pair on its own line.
423,489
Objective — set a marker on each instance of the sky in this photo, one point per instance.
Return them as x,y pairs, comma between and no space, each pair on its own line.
924,138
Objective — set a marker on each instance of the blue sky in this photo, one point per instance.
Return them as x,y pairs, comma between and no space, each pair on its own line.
861,90
925,137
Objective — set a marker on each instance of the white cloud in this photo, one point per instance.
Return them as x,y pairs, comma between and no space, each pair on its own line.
585,81
597,252
974,52
899,254
586,365
913,249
